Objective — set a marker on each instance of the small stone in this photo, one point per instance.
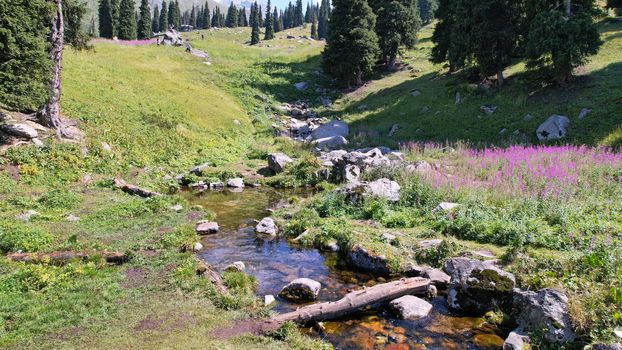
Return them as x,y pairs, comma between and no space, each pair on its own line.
301,85
415,93
38,143
410,307
235,183
437,277
445,207
207,227
457,99
106,147
387,237
488,109
516,340
584,112
268,299
27,215
267,226
72,218
197,246
237,266
527,117
176,208
301,290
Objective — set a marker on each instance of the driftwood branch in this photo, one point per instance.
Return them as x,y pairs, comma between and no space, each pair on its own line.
63,257
351,303
134,190
213,276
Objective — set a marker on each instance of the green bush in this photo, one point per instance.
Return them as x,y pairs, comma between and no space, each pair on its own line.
302,220
239,281
15,236
418,193
436,256
336,229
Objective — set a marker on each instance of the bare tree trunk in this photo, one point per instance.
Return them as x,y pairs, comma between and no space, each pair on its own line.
500,79
568,8
49,114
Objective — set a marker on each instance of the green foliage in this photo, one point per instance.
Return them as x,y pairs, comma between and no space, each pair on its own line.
24,62
324,14
255,24
427,8
303,172
127,20
73,15
563,43
335,229
163,23
16,236
302,220
352,45
269,23
106,22
182,238
232,16
436,256
144,24
397,24
289,333
419,193
239,281
59,198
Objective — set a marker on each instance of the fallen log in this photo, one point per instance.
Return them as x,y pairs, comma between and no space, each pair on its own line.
134,190
351,303
63,257
213,276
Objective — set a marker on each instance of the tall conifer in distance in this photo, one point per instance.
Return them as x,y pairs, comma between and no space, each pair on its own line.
308,14
313,30
171,14
207,23
144,25
322,27
244,17
255,24
164,17
352,45
269,22
240,18
177,21
193,17
275,20
114,6
260,15
155,22
127,20
106,26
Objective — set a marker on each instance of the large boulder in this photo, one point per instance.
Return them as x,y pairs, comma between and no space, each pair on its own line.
20,130
477,286
409,307
330,129
366,260
554,128
267,227
372,158
301,290
173,38
330,143
384,188
545,310
278,161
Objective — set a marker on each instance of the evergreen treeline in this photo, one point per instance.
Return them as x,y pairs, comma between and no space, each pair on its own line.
489,35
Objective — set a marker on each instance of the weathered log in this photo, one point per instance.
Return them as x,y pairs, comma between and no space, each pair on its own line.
351,303
356,301
135,190
213,276
63,257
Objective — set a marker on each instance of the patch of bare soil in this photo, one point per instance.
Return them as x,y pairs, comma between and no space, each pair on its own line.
245,327
134,277
165,325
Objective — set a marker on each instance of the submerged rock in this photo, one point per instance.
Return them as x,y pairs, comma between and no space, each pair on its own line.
409,307
545,310
477,286
207,227
267,226
363,259
301,290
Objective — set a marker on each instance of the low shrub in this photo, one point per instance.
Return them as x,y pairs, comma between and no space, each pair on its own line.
16,236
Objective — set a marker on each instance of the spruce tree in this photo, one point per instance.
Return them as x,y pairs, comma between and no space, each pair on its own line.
397,24
106,25
352,45
308,14
275,20
260,16
232,16
240,18
127,20
171,14
193,17
255,23
177,21
24,62
427,8
244,17
144,25
313,30
269,23
298,15
114,6
442,35
164,17
207,23
155,22
322,27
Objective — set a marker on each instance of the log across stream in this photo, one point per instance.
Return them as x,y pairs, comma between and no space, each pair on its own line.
275,263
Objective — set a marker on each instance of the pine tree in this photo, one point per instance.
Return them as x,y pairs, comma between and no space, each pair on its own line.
114,6
298,15
352,45
427,8
232,16
177,21
193,17
324,12
397,24
255,23
275,20
313,30
127,20
269,23
244,17
281,25
240,18
163,24
144,25
308,14
171,14
442,35
207,23
24,63
106,24
260,16
155,22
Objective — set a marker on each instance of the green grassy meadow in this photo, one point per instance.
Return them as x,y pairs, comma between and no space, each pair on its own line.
162,111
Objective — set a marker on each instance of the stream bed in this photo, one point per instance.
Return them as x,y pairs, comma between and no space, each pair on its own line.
275,262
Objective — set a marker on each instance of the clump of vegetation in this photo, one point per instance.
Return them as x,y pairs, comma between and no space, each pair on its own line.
15,237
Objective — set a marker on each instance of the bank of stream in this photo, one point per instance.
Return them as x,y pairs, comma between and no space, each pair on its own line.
275,262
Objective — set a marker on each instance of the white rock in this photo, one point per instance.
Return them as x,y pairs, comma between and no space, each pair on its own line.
410,307
330,129
197,247
445,207
236,182
267,226
72,218
584,112
177,208
237,266
268,299
554,128
27,215
301,289
330,143
106,147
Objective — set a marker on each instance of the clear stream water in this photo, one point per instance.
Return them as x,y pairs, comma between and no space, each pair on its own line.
275,262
